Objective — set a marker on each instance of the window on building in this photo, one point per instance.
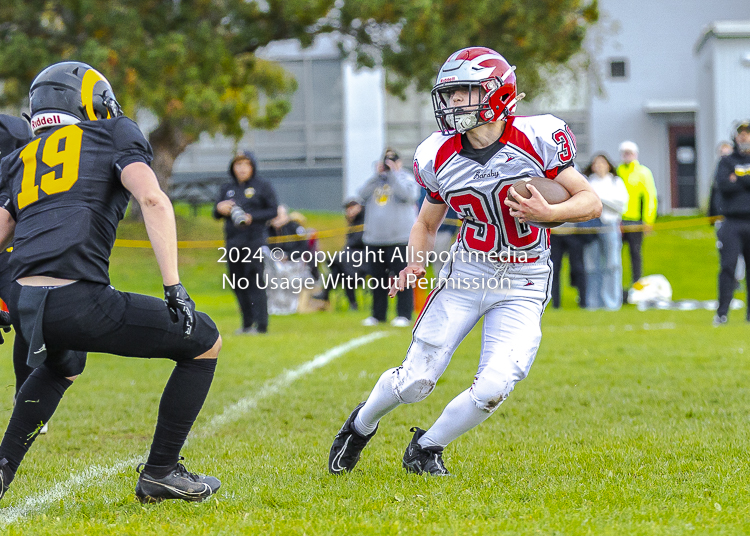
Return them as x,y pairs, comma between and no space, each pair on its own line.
618,68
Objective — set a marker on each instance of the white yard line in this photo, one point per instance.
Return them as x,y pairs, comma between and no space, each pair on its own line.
614,327
76,483
89,477
273,386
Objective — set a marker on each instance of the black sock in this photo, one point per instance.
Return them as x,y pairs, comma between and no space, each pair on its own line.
180,404
20,353
35,403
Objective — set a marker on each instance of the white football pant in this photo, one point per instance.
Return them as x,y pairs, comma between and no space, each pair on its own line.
511,297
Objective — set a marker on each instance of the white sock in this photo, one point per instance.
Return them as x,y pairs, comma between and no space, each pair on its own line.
380,402
459,416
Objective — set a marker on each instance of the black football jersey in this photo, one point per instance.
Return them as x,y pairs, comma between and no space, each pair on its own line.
63,190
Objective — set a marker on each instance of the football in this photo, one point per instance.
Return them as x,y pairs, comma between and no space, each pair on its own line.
551,191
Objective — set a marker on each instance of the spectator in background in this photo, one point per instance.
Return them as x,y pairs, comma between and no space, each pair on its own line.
291,233
723,149
571,243
290,273
733,182
246,203
570,239
294,237
350,262
389,198
641,210
602,256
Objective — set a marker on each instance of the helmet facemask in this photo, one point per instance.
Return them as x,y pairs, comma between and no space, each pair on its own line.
496,100
109,102
475,112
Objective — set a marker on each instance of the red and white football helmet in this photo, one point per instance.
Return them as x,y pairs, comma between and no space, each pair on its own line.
471,68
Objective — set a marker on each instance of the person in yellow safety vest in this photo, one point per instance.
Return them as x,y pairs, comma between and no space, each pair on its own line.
641,210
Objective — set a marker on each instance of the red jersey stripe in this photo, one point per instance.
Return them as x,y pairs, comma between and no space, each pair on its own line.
436,196
451,146
515,138
551,173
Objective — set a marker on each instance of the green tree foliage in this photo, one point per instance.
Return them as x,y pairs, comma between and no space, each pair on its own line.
193,63
415,37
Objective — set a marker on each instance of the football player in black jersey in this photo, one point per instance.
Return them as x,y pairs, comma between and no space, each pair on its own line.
14,134
63,195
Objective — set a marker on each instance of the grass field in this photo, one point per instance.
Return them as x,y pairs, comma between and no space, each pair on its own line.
629,423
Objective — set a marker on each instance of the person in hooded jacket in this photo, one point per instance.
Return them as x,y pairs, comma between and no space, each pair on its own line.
247,203
733,184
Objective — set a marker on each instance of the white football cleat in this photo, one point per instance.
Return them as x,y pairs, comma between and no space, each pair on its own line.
401,322
370,321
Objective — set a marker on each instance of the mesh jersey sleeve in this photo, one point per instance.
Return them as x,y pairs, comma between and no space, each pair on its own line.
130,145
556,145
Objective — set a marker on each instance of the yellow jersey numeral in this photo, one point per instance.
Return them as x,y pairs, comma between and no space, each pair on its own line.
62,148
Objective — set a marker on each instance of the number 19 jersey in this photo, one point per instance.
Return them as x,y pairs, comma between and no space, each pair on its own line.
63,190
475,182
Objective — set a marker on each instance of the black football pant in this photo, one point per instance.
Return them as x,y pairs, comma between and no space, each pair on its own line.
733,239
252,299
634,240
573,245
85,316
20,348
389,261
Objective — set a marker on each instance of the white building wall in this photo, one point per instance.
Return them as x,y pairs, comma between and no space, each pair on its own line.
408,122
657,39
707,135
364,124
723,56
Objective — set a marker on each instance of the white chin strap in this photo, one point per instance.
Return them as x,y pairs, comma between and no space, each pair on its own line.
51,119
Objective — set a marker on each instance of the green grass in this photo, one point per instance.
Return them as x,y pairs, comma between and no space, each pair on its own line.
629,423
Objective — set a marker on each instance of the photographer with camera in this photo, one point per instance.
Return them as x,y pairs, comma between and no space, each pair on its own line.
390,201
247,203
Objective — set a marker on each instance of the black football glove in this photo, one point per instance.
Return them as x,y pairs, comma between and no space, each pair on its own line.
177,299
4,324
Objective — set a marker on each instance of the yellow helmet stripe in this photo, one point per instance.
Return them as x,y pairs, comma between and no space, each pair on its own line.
90,78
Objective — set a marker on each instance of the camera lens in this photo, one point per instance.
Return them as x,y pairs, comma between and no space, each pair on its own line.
238,216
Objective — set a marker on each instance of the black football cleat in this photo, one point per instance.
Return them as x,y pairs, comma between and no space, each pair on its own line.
179,483
6,475
421,460
347,446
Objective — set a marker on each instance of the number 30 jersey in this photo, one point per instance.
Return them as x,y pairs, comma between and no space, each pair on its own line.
63,190
475,182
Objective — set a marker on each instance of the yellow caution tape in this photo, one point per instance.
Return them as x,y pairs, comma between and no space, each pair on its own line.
342,231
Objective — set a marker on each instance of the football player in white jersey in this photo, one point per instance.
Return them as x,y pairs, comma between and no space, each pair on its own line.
500,267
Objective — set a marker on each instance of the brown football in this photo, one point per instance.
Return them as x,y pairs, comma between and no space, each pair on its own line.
552,192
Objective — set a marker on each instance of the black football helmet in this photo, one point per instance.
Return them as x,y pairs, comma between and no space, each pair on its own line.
68,92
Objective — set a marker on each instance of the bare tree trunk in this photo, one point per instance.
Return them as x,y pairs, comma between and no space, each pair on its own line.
167,142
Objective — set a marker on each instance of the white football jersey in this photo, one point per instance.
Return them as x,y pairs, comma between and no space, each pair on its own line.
475,182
